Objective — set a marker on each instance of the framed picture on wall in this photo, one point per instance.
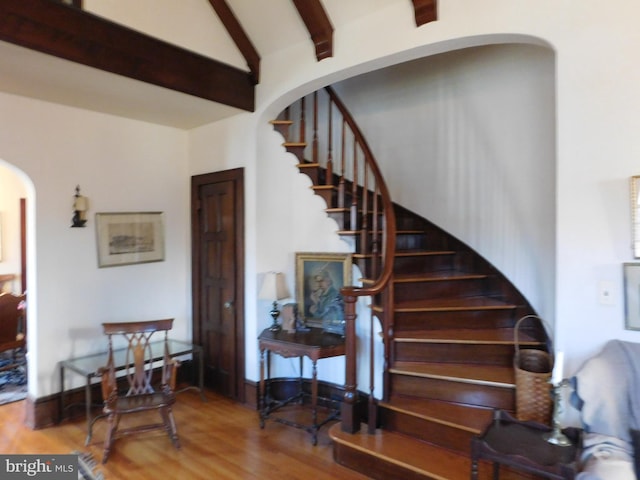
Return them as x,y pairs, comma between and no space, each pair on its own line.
632,296
129,238
635,215
319,278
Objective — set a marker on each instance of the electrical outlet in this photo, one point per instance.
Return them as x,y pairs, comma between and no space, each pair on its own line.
605,292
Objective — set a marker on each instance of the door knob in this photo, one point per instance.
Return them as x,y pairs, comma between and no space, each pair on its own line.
228,304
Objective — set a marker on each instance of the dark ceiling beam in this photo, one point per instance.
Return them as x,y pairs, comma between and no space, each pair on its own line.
319,26
425,11
70,33
239,36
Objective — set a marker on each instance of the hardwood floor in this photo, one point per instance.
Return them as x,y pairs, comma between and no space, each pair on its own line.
220,439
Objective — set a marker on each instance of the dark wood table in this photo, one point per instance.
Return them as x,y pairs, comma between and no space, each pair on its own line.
314,344
522,445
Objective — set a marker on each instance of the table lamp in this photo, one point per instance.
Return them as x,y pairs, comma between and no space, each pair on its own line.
274,288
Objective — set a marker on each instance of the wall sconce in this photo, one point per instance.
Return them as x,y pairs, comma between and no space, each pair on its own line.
274,288
80,207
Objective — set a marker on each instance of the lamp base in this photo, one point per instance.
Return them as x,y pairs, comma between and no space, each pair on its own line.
77,220
275,313
556,437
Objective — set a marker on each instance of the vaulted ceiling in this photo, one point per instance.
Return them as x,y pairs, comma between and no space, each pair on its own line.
57,51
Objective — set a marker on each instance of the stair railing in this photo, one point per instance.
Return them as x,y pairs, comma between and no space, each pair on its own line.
357,188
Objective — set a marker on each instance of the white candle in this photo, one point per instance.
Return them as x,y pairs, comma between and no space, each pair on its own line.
556,377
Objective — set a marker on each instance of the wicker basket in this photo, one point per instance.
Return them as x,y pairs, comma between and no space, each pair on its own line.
532,374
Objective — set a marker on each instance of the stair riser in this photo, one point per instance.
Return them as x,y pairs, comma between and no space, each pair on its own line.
445,436
374,466
312,172
408,321
411,241
298,151
282,129
492,354
424,263
344,221
327,195
440,289
451,391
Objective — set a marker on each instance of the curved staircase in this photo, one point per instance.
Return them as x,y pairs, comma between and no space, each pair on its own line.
448,318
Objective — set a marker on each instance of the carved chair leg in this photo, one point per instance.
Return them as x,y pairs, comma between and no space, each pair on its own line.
112,426
170,425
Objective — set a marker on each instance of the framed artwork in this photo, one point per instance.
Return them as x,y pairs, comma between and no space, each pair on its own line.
632,296
635,215
128,238
319,278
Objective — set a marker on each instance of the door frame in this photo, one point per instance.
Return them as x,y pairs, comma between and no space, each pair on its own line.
237,177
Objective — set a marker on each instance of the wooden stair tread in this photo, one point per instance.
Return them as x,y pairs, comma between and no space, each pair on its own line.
411,253
449,304
406,452
436,276
493,375
423,253
294,144
499,336
281,122
471,418
338,210
359,232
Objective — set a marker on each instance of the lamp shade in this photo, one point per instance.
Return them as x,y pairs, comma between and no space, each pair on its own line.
273,287
80,203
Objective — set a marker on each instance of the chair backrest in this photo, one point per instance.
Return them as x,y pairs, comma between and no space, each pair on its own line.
13,325
139,357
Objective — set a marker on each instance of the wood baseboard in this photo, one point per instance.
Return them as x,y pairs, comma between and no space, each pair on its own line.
45,411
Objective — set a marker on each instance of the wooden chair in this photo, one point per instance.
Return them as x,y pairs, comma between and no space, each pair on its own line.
140,396
13,328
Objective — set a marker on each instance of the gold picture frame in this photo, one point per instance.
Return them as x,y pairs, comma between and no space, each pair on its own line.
319,279
127,238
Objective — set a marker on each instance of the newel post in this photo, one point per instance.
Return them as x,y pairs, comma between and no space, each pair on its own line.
350,419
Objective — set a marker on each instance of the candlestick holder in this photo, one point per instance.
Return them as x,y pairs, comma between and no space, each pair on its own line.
556,437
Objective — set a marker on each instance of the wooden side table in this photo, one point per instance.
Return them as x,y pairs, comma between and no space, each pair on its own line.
314,344
521,445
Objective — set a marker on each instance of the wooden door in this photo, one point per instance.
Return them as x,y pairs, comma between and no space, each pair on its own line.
218,284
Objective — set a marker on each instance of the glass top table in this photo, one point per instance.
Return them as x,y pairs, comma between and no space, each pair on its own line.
89,365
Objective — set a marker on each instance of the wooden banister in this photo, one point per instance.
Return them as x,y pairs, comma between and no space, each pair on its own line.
359,192
350,421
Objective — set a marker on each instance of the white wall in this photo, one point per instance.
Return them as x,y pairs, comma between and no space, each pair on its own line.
467,139
12,189
121,165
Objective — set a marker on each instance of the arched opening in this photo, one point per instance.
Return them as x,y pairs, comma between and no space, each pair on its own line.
16,194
